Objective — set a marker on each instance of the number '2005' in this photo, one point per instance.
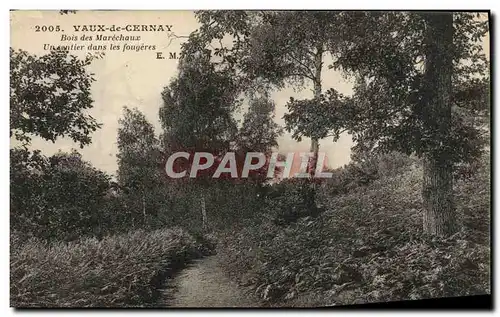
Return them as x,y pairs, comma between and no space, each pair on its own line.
47,28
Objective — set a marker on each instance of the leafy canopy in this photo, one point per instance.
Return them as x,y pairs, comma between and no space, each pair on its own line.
49,96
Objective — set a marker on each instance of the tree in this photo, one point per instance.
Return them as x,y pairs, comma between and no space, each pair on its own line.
49,95
420,88
437,193
421,78
290,48
399,102
26,189
197,116
76,195
259,132
139,166
275,49
57,197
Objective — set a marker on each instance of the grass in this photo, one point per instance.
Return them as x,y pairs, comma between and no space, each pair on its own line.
367,247
117,271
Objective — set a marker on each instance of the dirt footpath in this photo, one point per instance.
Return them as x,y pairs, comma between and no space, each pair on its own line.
204,284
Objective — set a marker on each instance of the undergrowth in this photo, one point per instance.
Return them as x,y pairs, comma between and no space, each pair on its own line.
117,271
367,247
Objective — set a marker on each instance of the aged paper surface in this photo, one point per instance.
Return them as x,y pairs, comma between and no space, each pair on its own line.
249,158
126,77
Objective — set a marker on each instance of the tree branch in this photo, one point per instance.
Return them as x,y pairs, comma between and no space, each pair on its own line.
339,133
299,75
306,68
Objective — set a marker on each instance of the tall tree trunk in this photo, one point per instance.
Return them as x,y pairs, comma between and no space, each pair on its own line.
310,189
318,64
439,213
437,192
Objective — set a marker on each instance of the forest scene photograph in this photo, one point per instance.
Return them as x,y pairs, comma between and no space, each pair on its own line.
249,159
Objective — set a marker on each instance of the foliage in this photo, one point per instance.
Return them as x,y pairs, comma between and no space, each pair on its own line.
140,175
368,244
234,203
269,47
49,96
317,118
367,247
272,49
117,271
26,172
287,201
59,197
259,132
473,196
364,170
196,114
415,93
388,107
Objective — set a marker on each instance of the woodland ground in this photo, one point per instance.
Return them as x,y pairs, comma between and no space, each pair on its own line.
118,271
367,246
205,284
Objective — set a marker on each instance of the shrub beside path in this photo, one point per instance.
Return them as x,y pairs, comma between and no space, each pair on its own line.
204,284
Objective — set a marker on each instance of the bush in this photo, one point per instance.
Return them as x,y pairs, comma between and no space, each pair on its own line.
56,198
118,271
290,200
366,171
473,200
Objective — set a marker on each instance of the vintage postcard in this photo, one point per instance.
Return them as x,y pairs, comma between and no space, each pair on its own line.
248,159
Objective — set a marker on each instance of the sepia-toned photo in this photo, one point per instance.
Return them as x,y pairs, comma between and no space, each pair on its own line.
250,159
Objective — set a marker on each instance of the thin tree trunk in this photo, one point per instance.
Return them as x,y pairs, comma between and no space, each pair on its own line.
318,63
144,204
437,192
310,189
203,212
